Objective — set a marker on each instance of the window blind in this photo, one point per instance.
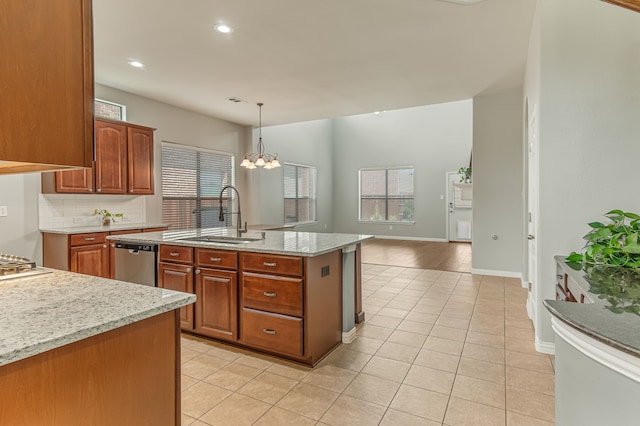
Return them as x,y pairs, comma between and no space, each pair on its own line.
192,179
386,195
299,193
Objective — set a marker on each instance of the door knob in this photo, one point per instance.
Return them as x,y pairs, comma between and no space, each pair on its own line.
531,237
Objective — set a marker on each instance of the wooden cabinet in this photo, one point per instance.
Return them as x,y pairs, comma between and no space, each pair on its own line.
175,272
290,305
124,163
111,158
629,4
85,253
47,85
89,254
217,303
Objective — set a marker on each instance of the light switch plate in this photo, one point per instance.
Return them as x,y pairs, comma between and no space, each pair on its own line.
3,211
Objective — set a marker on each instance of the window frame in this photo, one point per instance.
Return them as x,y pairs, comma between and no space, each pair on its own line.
227,199
297,198
386,221
123,109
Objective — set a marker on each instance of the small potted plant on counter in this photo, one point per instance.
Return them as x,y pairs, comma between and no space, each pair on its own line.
465,174
106,216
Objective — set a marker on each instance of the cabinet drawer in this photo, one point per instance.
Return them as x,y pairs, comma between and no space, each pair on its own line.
272,263
176,254
217,258
274,294
86,239
272,332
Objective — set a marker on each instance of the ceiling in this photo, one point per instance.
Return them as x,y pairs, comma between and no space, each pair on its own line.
308,60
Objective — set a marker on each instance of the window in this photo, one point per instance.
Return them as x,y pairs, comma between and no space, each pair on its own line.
112,110
386,195
191,182
299,193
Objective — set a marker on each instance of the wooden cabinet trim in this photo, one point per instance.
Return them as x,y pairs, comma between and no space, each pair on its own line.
217,303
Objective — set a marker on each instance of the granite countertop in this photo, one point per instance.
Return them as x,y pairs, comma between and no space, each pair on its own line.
618,330
118,226
43,312
274,242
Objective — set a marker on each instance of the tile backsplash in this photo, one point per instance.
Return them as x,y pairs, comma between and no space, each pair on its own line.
69,211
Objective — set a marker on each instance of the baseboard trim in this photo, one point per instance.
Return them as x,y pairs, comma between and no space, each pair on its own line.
397,237
524,282
349,336
545,347
531,308
496,273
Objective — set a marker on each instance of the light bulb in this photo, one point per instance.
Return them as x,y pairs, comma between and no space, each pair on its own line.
275,163
251,165
260,162
268,165
245,162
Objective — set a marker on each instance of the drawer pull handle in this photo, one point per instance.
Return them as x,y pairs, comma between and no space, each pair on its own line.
220,280
270,293
270,264
89,238
174,254
215,259
267,331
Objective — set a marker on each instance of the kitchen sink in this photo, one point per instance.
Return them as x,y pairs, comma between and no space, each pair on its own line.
221,239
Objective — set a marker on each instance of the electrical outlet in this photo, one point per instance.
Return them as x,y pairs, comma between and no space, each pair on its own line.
78,219
390,226
3,211
125,219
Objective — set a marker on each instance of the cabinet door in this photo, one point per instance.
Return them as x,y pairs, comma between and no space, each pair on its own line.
74,181
140,158
217,306
180,278
90,259
47,82
111,158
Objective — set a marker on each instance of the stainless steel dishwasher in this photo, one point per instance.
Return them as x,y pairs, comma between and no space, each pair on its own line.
136,263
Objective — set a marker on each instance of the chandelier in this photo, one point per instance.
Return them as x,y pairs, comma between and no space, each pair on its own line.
254,160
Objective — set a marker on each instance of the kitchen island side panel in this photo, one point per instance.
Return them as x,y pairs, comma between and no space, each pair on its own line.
126,376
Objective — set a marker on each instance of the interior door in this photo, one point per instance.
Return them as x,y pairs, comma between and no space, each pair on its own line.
532,216
459,209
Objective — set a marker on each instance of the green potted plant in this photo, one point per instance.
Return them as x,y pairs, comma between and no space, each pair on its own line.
613,244
106,216
465,174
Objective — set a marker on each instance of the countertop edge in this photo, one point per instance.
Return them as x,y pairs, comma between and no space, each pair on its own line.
100,228
179,300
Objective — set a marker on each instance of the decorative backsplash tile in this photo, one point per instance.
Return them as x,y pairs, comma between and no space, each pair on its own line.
69,211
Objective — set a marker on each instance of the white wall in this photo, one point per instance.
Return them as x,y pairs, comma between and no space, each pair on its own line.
433,139
19,234
178,125
307,143
589,104
497,184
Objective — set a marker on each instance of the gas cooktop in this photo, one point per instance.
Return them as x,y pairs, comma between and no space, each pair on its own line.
18,267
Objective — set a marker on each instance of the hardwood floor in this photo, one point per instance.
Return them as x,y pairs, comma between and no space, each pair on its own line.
454,257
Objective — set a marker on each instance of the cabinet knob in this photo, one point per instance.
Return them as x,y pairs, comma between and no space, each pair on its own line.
267,331
188,269
104,246
90,190
197,271
99,190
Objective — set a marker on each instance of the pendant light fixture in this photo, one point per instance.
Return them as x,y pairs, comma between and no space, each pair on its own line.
254,160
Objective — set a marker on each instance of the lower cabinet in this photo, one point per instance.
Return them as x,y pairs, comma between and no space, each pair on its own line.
90,260
217,303
289,306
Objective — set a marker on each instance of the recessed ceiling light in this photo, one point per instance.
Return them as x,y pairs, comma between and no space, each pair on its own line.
223,28
136,64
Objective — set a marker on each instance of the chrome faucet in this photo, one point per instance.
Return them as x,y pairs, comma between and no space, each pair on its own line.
239,212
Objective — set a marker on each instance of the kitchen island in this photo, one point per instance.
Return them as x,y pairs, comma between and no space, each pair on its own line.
597,344
76,349
291,294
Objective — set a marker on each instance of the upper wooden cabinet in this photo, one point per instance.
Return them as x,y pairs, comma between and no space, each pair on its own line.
124,163
46,113
629,4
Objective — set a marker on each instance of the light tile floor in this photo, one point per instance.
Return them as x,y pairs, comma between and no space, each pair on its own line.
437,348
